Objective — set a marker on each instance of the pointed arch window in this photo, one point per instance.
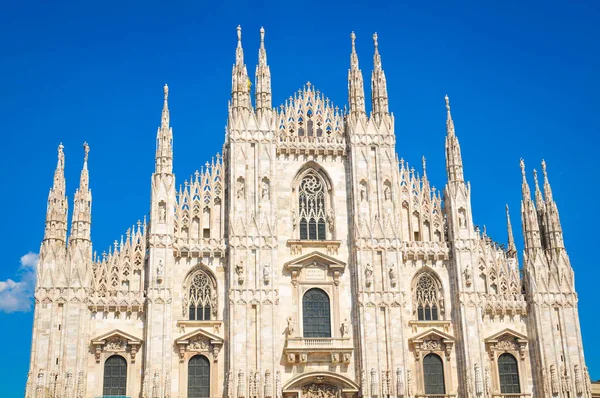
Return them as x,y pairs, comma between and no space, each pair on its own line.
427,298
202,297
433,372
316,315
311,211
198,377
115,376
508,370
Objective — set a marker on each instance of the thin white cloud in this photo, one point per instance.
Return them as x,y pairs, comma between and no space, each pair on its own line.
16,296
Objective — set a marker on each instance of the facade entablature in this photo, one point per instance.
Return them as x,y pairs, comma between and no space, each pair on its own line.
324,146
421,250
315,267
299,246
117,301
205,248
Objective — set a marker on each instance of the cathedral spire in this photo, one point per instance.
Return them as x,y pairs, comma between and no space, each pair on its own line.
454,165
164,140
356,90
379,95
554,232
539,200
240,87
512,250
529,216
82,204
263,78
56,212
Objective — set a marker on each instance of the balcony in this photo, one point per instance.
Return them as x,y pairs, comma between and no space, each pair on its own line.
318,349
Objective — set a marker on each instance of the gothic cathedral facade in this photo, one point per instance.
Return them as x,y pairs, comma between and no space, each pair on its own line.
306,261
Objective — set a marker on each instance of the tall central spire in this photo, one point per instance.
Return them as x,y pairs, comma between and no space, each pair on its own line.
263,78
379,95
356,91
454,165
164,140
240,84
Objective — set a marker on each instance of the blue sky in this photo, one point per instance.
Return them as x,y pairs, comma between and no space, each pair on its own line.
523,82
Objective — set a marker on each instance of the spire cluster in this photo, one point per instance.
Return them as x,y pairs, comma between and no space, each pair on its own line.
454,164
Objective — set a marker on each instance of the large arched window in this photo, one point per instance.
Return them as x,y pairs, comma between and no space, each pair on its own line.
509,374
202,297
198,377
115,376
311,207
433,374
316,319
427,298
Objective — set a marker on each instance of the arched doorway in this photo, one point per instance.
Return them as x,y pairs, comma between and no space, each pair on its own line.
115,376
198,377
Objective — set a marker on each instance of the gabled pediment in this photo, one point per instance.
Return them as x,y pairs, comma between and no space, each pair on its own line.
315,257
116,334
316,260
199,333
432,334
506,334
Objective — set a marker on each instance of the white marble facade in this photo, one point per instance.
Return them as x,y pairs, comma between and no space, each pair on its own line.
307,260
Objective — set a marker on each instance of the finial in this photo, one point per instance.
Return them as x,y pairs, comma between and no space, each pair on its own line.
375,40
262,35
60,147
239,34
86,149
166,90
424,165
544,168
522,164
353,37
535,179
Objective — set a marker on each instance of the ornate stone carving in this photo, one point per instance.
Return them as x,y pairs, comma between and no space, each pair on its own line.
478,380
399,382
368,275
80,385
167,393
393,275
230,382
363,384
115,344
488,383
374,383
266,273
468,275
290,326
156,385
345,328
555,384
268,384
578,380
319,390
241,387
278,387
409,384
239,270
431,345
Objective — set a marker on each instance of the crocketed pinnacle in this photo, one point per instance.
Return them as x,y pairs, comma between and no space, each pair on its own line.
378,85
454,165
56,212
82,206
525,191
164,140
356,90
512,249
263,95
240,83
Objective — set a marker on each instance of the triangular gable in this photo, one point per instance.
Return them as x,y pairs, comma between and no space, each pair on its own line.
428,334
315,256
506,332
214,339
116,333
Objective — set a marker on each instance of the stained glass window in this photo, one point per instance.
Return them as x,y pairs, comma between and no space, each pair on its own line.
433,371
427,298
202,298
198,377
312,207
115,376
316,314
509,374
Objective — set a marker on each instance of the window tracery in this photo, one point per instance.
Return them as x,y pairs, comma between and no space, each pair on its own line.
202,298
427,298
311,203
